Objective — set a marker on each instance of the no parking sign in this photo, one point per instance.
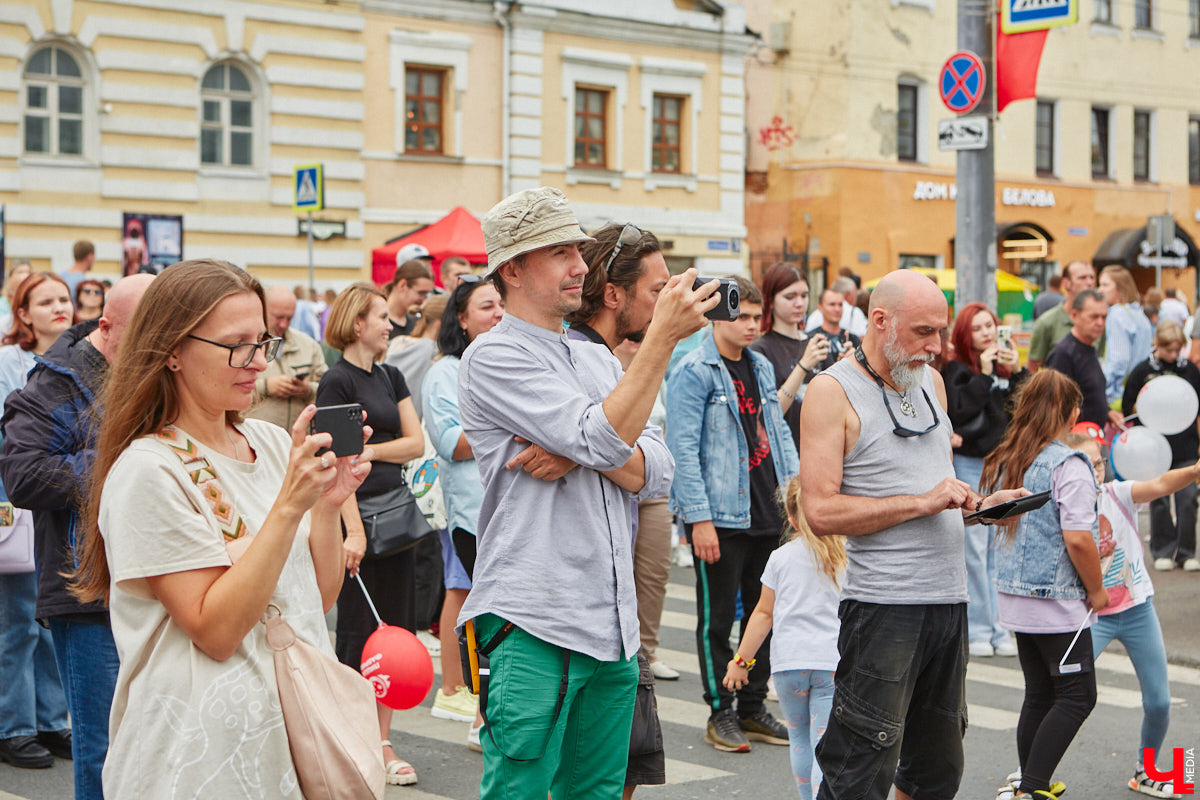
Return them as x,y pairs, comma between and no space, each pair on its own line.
962,81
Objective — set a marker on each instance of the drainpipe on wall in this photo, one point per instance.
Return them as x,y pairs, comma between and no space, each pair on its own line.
500,13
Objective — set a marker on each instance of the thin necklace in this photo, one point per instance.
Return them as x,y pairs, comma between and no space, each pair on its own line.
906,406
237,445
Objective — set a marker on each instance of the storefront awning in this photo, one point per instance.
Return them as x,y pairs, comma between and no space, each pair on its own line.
1130,248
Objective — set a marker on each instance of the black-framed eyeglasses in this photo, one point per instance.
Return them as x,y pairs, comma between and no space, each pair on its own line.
897,428
240,355
630,236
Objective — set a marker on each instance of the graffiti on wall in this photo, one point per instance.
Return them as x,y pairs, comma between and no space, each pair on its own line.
777,135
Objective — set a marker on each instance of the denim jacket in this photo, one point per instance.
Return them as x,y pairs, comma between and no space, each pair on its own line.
1035,563
705,435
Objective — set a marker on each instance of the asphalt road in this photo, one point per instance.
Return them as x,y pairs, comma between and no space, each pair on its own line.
1097,765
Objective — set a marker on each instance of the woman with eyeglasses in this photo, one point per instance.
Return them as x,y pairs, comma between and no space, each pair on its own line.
982,375
33,707
189,562
359,327
89,300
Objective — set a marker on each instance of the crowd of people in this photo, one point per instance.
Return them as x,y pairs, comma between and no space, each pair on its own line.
585,407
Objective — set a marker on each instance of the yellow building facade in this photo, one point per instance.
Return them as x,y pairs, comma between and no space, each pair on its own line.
843,113
203,110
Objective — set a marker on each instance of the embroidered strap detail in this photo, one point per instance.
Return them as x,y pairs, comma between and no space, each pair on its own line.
205,477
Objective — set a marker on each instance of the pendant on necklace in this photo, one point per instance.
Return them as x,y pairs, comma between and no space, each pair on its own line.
906,406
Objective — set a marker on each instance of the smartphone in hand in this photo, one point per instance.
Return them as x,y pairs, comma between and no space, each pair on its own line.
1004,337
344,423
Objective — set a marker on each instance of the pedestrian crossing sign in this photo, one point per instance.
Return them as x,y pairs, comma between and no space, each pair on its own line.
308,187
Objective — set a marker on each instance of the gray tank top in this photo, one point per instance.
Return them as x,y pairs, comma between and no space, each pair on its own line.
919,561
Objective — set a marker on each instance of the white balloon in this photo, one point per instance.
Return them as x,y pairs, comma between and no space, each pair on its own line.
1140,454
1168,404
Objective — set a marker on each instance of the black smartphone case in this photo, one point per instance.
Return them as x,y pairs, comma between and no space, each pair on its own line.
345,423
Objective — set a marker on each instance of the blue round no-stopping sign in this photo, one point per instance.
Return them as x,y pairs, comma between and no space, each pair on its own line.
962,82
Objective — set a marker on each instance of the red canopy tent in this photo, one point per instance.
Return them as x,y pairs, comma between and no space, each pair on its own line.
456,234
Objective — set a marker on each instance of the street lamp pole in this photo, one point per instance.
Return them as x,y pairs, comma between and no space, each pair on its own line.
975,206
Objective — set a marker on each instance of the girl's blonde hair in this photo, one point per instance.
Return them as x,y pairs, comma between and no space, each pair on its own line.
828,551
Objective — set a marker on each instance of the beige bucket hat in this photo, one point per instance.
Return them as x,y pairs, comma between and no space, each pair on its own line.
526,221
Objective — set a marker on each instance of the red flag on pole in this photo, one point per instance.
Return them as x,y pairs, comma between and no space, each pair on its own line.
1017,58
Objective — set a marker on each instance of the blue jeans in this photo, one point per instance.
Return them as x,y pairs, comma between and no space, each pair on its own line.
805,695
31,693
983,620
1137,628
87,657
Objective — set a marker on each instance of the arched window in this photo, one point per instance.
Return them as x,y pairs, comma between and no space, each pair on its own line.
53,103
227,117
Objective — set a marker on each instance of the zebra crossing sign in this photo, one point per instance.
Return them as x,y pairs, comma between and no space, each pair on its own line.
308,187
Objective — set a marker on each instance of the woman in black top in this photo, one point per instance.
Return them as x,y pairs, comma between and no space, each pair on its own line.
784,342
1172,542
979,381
359,327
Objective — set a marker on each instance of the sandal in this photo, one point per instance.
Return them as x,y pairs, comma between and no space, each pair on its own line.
399,772
1141,782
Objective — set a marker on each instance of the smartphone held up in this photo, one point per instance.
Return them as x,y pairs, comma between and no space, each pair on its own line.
344,423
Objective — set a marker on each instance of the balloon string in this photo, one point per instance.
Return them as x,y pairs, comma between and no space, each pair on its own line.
1131,416
363,586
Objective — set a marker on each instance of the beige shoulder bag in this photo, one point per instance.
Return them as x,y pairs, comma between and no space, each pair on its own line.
328,708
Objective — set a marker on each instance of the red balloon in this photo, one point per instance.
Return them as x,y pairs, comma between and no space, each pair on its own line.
398,667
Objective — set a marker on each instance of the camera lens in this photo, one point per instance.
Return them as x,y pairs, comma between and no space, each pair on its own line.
733,298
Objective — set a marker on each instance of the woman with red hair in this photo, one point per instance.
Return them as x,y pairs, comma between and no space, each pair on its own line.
979,379
33,707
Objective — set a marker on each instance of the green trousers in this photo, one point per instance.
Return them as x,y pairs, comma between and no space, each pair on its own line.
582,754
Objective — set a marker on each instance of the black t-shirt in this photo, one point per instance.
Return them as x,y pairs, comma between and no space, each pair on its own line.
1079,361
784,353
378,391
764,504
403,330
838,344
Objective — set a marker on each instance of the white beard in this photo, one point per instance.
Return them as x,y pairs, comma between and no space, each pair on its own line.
904,375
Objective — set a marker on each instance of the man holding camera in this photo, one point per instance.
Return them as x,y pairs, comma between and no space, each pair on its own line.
733,454
286,386
562,444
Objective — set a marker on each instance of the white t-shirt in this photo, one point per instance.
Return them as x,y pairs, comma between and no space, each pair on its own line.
1126,579
182,724
806,610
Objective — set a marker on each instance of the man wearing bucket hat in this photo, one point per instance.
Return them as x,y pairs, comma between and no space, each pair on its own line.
562,443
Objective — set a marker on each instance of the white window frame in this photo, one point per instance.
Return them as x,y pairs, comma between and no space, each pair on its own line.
683,79
601,70
921,123
89,122
447,51
258,119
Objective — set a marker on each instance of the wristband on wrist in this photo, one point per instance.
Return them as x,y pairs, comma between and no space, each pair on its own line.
786,393
743,663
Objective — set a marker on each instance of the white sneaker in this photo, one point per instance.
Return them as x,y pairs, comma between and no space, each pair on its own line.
1007,648
473,739
771,693
1192,565
980,650
1164,564
431,642
683,555
662,672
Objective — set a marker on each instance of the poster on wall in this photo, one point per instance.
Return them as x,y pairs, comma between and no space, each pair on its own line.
150,242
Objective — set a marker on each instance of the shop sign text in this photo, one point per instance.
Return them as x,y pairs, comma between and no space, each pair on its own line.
1037,198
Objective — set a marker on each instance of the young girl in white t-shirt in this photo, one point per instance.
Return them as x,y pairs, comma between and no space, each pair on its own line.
1130,617
800,600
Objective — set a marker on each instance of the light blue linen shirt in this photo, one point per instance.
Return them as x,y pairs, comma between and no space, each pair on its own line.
1130,339
554,557
462,488
15,365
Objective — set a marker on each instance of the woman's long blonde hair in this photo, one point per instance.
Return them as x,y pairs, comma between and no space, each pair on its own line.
140,396
828,551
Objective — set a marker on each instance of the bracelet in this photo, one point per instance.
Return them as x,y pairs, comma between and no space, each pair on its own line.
788,394
743,663
979,505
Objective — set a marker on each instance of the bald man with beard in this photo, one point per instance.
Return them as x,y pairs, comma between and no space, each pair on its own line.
877,469
50,429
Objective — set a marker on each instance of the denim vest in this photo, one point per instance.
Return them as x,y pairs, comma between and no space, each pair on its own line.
1035,563
705,435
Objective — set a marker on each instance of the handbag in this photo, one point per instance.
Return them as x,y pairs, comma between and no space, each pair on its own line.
393,522
421,474
16,540
328,708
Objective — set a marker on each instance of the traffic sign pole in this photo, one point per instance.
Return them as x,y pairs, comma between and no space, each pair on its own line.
312,281
975,206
